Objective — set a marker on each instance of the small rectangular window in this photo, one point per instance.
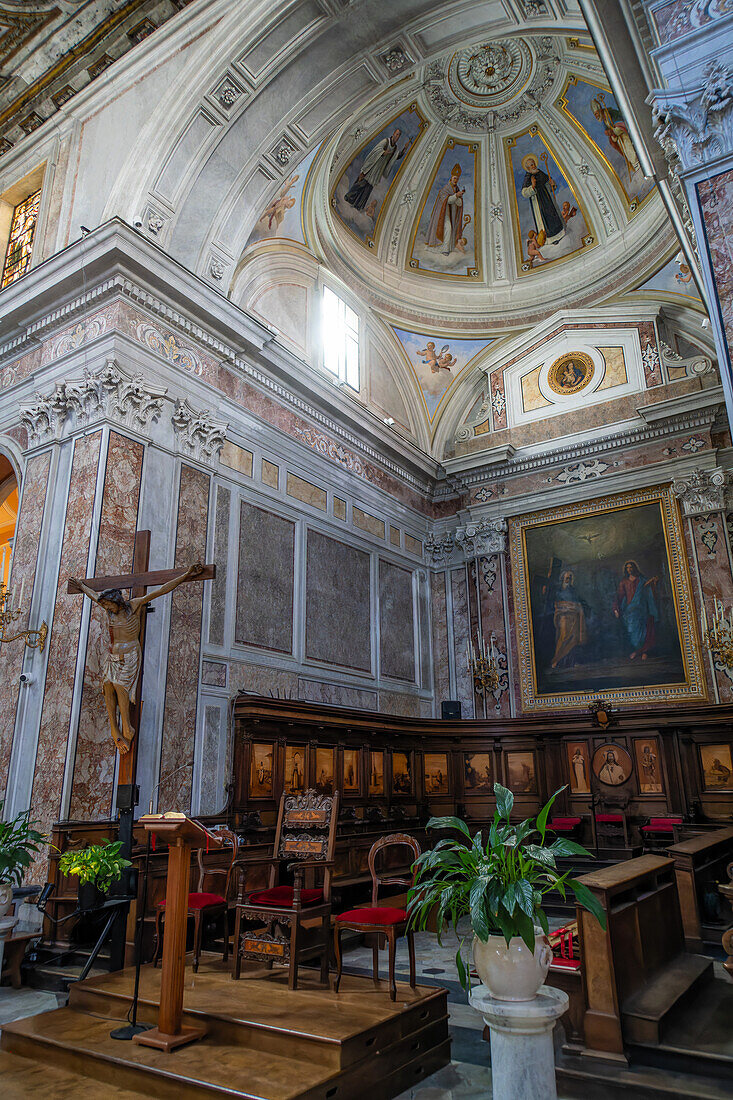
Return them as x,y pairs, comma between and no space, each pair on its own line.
20,241
340,328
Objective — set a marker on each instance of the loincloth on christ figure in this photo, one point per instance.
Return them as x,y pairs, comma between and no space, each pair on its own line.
121,666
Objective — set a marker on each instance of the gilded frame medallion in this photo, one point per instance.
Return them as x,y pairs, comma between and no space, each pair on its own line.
571,373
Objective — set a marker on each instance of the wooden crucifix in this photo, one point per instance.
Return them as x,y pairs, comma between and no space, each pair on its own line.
123,659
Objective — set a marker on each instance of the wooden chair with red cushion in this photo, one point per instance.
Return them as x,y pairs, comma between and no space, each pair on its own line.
566,826
306,837
659,832
206,903
383,921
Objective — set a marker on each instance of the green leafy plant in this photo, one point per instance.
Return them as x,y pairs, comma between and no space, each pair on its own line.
101,864
20,841
499,885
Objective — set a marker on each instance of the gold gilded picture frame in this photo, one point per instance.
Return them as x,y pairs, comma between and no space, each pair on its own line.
578,588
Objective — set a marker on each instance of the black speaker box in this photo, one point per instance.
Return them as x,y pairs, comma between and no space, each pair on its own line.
450,709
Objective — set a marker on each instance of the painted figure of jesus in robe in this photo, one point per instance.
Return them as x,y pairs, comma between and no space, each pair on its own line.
617,133
579,771
122,658
539,189
636,607
569,619
446,220
377,163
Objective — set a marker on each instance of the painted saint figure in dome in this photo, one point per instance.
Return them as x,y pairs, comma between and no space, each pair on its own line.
376,165
540,190
446,220
636,607
616,131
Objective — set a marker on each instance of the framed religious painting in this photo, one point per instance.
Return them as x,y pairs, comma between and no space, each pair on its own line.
261,771
376,773
435,773
477,772
648,765
324,770
351,781
717,767
578,766
403,778
521,772
612,764
603,604
294,773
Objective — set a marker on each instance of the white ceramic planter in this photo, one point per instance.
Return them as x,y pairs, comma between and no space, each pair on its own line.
6,898
512,973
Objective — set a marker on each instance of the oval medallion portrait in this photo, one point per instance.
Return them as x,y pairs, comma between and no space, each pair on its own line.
612,764
571,373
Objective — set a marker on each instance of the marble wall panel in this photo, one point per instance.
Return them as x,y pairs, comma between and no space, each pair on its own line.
441,667
337,695
716,204
300,489
262,680
399,702
491,596
338,609
367,522
63,643
214,673
184,644
25,562
396,623
265,580
94,762
212,796
714,572
464,681
217,608
236,458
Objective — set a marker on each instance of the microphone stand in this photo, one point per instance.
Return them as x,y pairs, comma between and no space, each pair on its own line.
129,1030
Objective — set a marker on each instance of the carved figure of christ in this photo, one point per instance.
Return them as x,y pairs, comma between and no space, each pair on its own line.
122,661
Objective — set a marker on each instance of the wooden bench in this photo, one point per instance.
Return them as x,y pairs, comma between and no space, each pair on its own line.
14,953
695,860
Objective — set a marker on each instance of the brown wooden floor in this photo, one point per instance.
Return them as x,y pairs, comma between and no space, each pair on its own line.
264,1042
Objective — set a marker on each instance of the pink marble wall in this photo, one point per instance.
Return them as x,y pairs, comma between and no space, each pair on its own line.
181,689
464,680
94,763
441,671
711,561
63,643
491,591
25,559
716,203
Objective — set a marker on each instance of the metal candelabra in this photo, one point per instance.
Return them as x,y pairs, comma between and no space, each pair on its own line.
719,637
10,613
482,664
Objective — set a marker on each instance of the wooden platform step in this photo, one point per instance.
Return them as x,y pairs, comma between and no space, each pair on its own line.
646,1012
22,1078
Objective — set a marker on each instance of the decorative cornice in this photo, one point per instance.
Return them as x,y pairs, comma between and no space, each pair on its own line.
110,394
701,492
488,536
198,434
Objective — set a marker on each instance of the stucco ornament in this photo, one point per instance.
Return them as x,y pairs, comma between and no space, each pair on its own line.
197,432
701,492
487,536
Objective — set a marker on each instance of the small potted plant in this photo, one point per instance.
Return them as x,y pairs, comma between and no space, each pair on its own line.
96,868
20,842
500,886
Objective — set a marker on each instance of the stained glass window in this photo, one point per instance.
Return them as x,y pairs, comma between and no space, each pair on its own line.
20,242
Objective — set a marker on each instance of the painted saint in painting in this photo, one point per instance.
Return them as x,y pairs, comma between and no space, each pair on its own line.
539,188
579,768
446,220
377,163
636,607
569,620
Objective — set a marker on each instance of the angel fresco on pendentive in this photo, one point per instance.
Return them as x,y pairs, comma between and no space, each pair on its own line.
445,239
281,217
363,185
436,363
550,223
596,112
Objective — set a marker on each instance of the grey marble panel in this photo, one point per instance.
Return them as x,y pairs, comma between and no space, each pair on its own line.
219,585
396,627
314,691
211,797
338,609
265,580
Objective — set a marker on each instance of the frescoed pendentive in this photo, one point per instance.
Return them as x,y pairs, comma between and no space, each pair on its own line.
445,238
362,188
595,111
436,362
549,223
674,278
282,217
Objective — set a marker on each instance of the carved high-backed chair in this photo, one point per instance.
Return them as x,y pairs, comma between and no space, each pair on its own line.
305,839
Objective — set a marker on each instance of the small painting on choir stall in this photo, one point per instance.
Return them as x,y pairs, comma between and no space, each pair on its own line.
436,773
402,777
648,765
294,778
521,772
324,770
477,771
351,771
612,764
260,775
603,604
717,767
376,773
578,767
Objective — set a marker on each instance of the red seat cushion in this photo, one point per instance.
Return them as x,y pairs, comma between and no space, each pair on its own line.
203,901
282,896
564,824
610,819
374,915
566,964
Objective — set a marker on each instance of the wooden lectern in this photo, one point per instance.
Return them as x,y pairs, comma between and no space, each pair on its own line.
181,834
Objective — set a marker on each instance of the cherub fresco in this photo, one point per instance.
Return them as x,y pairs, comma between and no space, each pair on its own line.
437,360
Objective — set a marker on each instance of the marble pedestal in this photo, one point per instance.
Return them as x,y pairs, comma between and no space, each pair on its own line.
522,1053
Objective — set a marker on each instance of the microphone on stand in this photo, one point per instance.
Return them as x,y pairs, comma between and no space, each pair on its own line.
128,1031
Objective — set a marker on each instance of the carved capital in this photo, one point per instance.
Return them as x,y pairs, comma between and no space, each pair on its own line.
699,127
701,492
198,434
471,540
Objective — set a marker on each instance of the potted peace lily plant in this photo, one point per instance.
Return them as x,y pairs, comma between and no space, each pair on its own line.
97,868
500,886
20,842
